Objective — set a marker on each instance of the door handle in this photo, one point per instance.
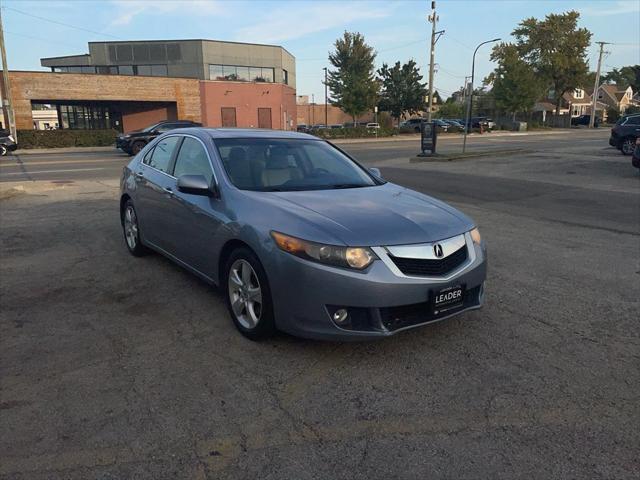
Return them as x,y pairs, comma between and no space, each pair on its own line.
139,174
168,190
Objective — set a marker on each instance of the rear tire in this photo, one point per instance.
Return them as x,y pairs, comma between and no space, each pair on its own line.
628,146
248,296
131,230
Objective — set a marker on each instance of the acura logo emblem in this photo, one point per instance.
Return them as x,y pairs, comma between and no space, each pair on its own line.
437,250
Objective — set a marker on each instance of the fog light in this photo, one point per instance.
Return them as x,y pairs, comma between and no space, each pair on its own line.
340,316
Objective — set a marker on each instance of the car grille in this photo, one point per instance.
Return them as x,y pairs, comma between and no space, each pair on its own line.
431,268
394,318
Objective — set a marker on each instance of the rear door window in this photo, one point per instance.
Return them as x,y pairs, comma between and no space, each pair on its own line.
160,157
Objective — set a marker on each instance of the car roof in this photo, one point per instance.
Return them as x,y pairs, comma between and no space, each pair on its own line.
246,133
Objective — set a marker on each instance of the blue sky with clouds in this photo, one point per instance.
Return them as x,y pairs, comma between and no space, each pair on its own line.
398,30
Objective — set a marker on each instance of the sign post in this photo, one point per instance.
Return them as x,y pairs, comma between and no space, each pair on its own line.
375,109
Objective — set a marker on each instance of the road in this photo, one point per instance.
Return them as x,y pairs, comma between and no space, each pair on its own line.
114,367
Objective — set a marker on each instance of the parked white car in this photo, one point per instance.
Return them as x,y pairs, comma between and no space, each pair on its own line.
373,126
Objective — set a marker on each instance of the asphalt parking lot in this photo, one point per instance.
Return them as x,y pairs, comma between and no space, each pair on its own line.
113,367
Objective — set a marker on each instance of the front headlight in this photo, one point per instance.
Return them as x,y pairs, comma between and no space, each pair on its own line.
348,257
475,236
10,137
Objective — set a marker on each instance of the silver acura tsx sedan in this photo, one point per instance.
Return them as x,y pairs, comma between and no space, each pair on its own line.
299,236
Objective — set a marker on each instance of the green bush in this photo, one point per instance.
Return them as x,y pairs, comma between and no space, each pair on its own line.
66,138
360,132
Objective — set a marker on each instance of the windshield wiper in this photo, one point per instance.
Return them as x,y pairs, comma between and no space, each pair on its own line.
349,185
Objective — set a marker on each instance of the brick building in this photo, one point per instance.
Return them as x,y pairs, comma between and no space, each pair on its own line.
130,85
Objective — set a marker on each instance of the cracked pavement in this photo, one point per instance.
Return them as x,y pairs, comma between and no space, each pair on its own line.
113,367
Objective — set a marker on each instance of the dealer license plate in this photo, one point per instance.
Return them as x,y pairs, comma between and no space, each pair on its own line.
448,298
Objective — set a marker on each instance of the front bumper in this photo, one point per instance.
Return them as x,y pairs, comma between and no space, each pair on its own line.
122,143
380,301
614,142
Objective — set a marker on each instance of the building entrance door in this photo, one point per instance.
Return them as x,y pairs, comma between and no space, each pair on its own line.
228,116
264,118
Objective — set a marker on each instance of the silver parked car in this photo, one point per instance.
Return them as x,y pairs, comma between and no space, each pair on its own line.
299,236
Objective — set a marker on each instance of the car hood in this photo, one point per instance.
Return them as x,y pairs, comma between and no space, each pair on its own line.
382,215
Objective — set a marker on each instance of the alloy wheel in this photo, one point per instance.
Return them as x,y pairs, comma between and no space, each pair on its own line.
245,294
3,150
131,227
628,146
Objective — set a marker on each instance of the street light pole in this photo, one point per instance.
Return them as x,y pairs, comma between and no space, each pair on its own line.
467,117
326,113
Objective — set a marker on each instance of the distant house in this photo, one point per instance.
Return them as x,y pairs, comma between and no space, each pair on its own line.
573,104
616,97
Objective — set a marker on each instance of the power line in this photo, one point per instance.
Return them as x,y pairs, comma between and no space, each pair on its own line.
39,38
44,19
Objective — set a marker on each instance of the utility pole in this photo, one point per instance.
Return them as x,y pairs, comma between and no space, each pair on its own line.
7,104
326,113
433,18
594,100
313,111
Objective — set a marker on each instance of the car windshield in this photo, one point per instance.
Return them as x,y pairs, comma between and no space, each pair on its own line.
280,165
151,128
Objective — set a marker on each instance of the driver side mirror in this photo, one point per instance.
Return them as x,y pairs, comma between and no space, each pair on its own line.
196,185
376,172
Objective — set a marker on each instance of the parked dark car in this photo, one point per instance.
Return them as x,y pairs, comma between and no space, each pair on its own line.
7,143
624,133
412,123
635,160
302,128
441,125
135,141
455,126
584,120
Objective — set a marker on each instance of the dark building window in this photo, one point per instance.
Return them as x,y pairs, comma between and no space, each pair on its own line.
89,117
152,70
285,77
124,53
125,69
241,73
107,70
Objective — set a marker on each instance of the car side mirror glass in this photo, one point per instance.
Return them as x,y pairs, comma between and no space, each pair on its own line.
376,172
196,185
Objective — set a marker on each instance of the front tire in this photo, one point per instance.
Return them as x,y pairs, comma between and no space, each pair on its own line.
248,295
131,230
136,147
3,150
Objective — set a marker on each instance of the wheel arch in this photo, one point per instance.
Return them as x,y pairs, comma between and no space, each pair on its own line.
227,250
123,201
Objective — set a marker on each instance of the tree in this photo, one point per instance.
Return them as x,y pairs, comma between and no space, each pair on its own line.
516,87
353,86
451,109
628,76
557,50
402,90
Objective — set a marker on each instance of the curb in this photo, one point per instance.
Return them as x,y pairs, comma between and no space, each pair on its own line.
36,151
466,156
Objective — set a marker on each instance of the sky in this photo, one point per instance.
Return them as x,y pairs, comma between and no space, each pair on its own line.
398,30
